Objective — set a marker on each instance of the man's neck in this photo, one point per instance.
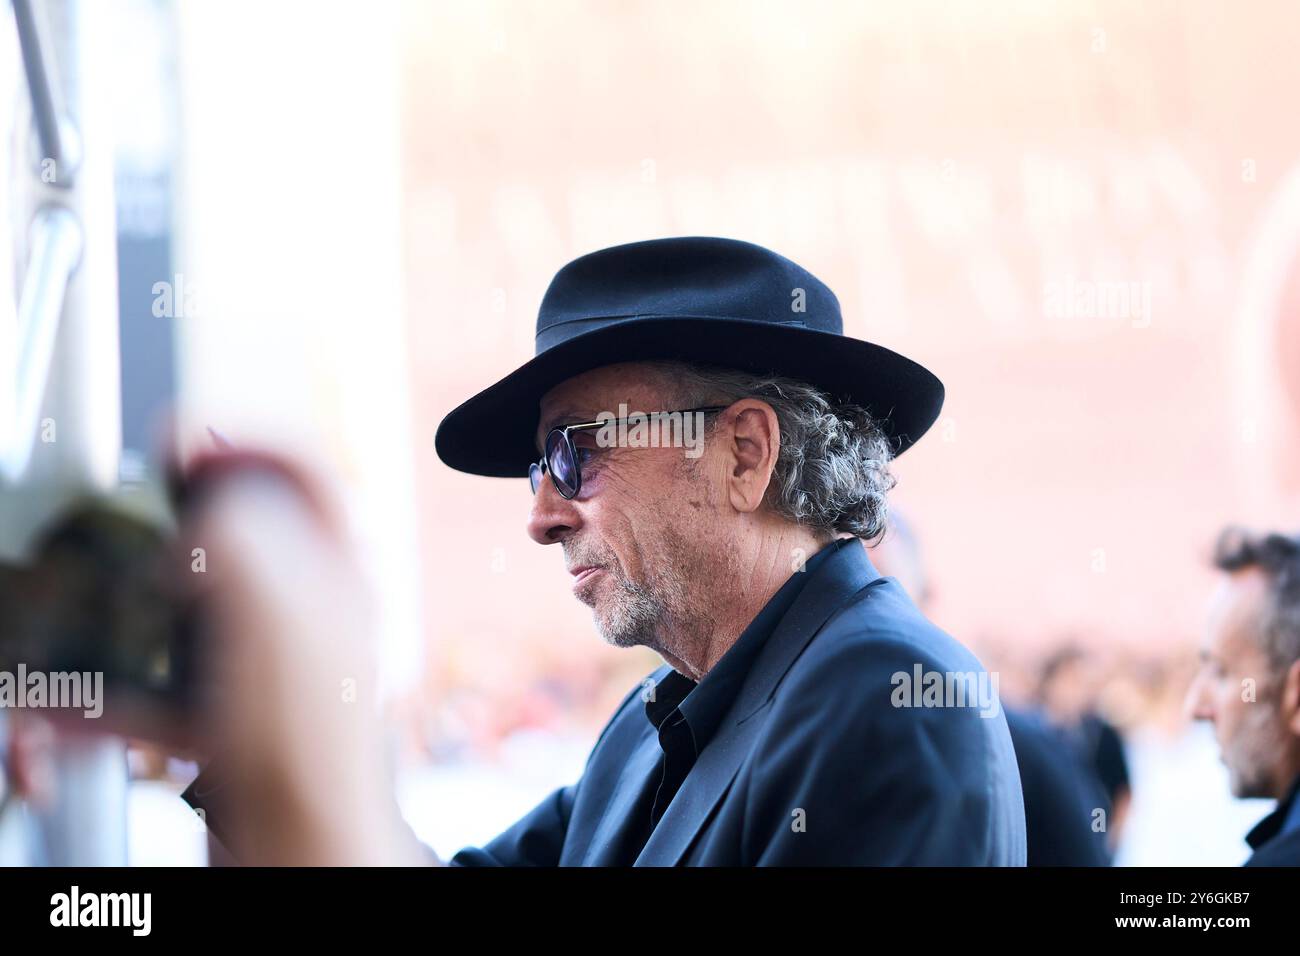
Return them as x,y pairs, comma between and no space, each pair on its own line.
755,571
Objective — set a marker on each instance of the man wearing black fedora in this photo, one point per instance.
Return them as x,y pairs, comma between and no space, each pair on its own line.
806,713
709,452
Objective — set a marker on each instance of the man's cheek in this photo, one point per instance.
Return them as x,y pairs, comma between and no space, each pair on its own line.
1230,722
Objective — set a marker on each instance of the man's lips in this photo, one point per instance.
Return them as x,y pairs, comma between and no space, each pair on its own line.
582,573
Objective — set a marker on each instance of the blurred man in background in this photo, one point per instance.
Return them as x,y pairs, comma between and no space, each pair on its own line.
1061,800
1248,685
1068,697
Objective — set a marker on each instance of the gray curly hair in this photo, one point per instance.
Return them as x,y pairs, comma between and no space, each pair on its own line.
832,471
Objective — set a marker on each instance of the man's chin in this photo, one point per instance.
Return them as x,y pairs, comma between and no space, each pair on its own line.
615,630
621,640
1246,788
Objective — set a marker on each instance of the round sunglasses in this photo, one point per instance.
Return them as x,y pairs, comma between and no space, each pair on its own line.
568,446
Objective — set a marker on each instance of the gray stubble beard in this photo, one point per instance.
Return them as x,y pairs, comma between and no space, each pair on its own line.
664,615
1250,772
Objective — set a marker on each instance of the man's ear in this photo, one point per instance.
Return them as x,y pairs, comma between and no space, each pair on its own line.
754,441
1291,698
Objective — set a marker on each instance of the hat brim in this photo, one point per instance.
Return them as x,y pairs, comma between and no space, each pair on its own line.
494,432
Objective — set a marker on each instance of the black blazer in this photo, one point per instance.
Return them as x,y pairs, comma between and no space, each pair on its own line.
1279,851
1061,796
814,764
1273,845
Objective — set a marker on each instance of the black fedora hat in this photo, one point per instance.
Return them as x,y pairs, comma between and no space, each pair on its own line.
702,300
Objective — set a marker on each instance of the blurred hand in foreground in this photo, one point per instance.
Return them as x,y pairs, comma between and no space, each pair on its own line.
296,725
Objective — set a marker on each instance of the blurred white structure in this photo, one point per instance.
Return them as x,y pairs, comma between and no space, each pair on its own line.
61,434
288,295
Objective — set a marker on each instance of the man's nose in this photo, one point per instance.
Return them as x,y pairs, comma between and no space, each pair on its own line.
552,518
1196,704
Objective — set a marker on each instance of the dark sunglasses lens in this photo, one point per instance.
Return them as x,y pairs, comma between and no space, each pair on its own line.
535,476
560,460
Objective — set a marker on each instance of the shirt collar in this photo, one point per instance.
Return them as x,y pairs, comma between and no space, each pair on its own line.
704,704
1282,820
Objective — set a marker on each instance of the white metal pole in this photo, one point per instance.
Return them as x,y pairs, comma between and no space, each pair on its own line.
78,442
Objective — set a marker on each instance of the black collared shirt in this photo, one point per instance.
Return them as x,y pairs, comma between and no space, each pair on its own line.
1283,820
686,714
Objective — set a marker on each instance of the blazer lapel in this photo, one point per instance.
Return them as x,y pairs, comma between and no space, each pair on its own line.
638,773
836,582
609,834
